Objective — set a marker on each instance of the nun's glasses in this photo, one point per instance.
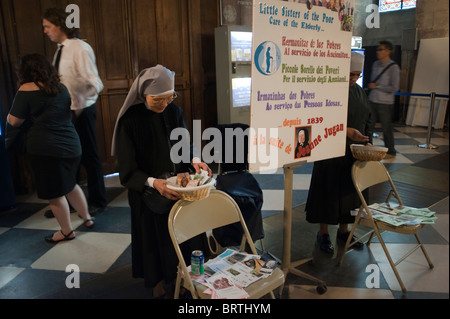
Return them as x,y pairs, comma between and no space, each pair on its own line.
166,100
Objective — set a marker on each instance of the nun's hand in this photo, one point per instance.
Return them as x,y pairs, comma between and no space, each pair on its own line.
161,186
198,166
356,135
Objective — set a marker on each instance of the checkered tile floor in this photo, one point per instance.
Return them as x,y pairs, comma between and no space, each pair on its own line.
30,268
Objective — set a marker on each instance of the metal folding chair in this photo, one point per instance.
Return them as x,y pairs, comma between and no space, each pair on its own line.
188,219
366,174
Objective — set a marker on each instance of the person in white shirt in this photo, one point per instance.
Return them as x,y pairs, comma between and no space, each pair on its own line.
75,60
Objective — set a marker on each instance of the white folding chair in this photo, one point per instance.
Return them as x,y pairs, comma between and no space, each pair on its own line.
188,219
366,174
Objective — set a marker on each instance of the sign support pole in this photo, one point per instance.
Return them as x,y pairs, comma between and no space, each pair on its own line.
428,145
287,265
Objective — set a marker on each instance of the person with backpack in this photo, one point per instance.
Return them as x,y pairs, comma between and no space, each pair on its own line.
385,81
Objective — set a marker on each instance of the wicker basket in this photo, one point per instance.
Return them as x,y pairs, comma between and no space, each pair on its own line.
368,153
195,195
191,193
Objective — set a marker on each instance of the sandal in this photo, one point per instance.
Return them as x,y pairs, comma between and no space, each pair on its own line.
92,219
49,239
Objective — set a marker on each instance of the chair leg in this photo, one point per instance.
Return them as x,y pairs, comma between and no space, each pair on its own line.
262,245
430,264
347,243
192,290
177,284
391,262
370,239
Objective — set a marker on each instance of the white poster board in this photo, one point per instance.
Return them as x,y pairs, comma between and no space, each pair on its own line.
431,75
300,82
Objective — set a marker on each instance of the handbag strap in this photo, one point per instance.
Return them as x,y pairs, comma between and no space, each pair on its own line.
385,69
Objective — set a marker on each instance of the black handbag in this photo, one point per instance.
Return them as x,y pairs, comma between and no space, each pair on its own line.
156,202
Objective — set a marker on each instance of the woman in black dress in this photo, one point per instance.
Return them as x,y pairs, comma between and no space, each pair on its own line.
52,143
331,194
143,147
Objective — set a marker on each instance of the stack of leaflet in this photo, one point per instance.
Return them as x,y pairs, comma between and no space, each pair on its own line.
228,274
402,216
424,214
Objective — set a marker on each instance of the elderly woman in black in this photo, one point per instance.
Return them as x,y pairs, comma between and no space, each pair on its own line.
52,143
143,146
331,194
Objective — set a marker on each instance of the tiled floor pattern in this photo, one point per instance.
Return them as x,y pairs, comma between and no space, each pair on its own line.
31,268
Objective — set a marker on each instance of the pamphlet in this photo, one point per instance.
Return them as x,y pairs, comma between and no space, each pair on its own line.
228,274
400,216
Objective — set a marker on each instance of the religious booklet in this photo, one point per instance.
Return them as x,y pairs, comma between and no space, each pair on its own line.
384,208
222,286
426,215
399,220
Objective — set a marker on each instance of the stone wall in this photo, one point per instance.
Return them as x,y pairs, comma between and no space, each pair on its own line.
390,28
432,19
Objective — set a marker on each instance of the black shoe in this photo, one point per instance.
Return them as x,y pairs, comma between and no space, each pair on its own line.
325,243
49,214
93,210
343,238
392,152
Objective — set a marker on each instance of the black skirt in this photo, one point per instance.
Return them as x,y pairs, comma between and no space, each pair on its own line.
54,177
332,194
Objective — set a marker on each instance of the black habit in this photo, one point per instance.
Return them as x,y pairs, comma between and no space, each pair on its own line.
332,194
143,140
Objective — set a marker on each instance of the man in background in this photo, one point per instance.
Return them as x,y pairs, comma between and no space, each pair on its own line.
385,81
76,63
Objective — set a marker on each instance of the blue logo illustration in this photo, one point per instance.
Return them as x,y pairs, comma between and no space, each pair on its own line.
267,58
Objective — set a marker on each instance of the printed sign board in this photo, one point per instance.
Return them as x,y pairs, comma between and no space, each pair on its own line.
300,81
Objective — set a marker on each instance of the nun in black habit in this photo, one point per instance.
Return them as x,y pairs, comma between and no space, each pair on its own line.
142,145
331,194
